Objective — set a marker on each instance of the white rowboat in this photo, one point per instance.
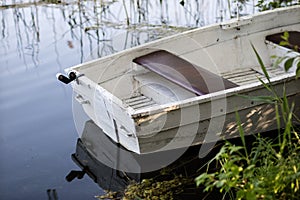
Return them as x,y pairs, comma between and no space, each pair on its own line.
185,89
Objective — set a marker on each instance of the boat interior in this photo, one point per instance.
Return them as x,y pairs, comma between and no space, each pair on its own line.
161,77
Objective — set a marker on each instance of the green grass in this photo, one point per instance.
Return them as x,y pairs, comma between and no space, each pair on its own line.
271,169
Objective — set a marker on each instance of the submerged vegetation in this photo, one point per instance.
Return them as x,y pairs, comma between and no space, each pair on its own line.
163,186
152,189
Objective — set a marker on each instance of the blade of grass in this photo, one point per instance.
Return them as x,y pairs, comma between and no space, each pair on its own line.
286,134
278,122
265,85
261,64
242,134
262,99
264,69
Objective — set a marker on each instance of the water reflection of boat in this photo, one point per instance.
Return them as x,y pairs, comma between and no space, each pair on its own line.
106,177
112,167
98,163
143,99
101,162
109,164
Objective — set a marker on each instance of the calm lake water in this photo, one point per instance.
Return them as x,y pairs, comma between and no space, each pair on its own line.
38,40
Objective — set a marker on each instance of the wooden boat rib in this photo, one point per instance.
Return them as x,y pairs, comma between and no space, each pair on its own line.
147,111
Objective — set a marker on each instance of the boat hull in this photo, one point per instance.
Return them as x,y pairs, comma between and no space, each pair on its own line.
178,118
215,119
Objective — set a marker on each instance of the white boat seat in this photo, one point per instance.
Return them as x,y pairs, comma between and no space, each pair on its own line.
183,73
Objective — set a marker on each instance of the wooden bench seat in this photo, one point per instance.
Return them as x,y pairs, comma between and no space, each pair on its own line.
177,70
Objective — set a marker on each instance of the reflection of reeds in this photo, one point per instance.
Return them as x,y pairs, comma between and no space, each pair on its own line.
3,28
27,32
93,25
22,4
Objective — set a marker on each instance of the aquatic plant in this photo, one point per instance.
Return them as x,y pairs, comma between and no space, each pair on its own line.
271,169
152,188
269,5
288,60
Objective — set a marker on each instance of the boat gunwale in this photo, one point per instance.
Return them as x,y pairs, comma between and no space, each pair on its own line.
186,102
208,97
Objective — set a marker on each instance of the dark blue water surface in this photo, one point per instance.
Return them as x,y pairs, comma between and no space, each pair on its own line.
37,131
